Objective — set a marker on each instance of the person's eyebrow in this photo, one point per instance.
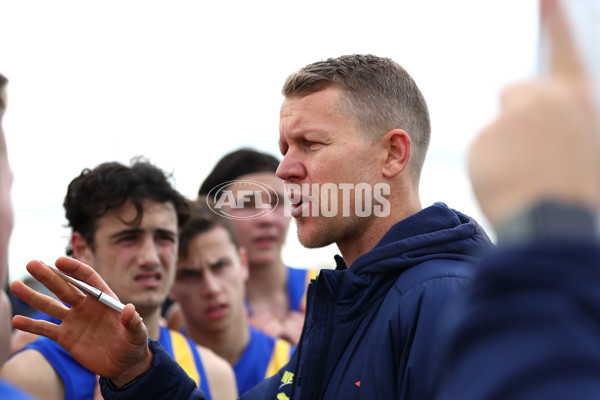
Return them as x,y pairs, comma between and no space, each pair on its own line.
124,232
166,232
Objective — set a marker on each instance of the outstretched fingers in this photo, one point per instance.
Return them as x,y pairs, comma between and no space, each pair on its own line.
36,326
39,301
63,290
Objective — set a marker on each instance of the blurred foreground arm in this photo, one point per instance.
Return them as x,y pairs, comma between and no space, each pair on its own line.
530,326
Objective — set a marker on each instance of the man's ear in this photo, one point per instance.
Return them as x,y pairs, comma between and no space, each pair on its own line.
81,249
397,145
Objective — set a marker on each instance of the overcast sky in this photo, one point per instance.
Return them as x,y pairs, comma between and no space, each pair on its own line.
184,82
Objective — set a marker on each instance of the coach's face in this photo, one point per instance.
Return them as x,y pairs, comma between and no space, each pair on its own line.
321,145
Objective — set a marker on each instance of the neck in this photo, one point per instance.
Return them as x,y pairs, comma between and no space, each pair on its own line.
400,208
266,281
266,291
228,344
152,322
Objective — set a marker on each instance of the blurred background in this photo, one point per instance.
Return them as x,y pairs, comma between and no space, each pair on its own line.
184,82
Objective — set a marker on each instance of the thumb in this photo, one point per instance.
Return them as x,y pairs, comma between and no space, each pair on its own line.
132,321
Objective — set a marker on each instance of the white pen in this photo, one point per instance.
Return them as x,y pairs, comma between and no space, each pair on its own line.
90,290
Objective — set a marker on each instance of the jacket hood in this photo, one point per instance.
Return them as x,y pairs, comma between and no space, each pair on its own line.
436,232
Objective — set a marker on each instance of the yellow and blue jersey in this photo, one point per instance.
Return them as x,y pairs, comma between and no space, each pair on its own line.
297,283
263,357
80,383
298,280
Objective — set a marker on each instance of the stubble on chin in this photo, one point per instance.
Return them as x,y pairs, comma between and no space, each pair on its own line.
317,232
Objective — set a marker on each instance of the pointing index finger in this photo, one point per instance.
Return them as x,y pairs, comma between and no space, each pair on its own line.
565,60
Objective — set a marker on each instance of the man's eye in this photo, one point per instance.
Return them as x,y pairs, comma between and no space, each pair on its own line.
221,264
127,239
312,146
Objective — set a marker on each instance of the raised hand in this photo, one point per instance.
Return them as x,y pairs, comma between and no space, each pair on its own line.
110,344
545,144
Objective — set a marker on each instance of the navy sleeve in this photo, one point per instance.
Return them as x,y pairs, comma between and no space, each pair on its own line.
275,387
530,328
422,310
164,380
267,389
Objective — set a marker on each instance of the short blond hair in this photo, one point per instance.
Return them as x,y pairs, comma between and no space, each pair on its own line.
377,93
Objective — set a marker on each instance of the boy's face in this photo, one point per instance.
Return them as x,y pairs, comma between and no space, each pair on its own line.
262,237
137,262
209,283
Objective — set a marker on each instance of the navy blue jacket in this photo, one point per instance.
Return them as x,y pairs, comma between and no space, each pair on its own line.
369,329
